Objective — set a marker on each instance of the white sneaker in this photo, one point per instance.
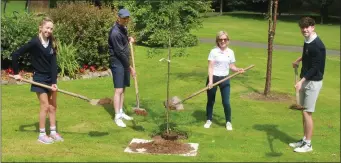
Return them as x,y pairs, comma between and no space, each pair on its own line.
126,117
208,124
296,144
305,147
120,123
228,126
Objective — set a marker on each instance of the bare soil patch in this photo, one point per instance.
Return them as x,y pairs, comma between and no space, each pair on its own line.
166,143
273,96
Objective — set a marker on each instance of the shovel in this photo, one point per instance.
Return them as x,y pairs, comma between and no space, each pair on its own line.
91,101
297,106
137,109
176,103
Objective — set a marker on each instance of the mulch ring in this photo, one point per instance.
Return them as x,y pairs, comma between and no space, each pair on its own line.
273,96
162,145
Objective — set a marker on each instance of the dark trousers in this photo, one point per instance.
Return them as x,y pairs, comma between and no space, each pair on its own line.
225,96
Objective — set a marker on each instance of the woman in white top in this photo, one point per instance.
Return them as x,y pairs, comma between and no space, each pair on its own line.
220,60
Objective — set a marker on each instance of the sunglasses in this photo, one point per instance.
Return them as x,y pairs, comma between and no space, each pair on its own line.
225,39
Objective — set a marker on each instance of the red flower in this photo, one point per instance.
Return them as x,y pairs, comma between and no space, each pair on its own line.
92,68
85,67
9,71
82,70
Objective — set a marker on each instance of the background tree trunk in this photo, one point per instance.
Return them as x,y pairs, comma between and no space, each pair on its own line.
221,7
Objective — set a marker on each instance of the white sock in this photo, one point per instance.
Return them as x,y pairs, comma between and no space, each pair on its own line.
304,138
53,130
117,116
42,132
121,111
307,141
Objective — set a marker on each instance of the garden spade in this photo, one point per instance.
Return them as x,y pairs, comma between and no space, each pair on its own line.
137,109
297,106
91,101
176,103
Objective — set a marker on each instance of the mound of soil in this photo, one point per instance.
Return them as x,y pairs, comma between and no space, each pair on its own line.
166,143
274,96
104,101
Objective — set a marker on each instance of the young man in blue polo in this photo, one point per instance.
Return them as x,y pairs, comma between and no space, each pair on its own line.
120,64
313,63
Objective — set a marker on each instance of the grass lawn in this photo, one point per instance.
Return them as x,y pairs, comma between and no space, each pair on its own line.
12,6
254,28
262,130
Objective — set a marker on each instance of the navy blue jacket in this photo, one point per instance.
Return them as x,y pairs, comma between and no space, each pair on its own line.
313,60
43,60
119,46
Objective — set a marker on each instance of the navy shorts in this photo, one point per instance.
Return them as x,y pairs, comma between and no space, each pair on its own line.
43,79
121,76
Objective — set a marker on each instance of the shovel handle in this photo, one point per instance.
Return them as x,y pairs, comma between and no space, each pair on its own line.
135,78
215,84
296,74
296,80
49,87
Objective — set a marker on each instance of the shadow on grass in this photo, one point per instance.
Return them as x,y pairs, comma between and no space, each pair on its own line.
110,110
247,79
195,75
200,116
173,127
23,128
273,133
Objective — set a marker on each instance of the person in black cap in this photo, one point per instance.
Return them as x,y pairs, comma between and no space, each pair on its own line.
120,64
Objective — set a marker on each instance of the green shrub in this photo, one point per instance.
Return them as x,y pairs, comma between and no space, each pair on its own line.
15,32
87,27
79,23
67,59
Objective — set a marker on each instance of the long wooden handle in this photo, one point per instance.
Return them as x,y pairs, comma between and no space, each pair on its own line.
215,84
296,74
297,91
49,87
135,79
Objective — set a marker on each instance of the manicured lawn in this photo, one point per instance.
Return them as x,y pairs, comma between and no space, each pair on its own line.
262,130
12,6
254,28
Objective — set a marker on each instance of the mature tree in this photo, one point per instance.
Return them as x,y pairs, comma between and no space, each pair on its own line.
151,17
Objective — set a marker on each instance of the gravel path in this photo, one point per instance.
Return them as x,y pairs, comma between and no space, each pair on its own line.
262,45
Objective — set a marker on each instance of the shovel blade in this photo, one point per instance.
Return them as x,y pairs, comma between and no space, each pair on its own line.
140,111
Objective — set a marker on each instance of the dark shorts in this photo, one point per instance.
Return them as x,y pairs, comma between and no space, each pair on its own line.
43,79
121,76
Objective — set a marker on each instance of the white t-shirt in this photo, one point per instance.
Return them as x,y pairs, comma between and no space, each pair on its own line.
221,60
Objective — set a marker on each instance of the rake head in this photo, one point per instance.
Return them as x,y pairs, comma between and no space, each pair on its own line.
296,107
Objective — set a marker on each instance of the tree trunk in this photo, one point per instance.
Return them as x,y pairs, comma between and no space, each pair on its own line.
5,3
221,7
323,13
26,6
271,34
169,57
